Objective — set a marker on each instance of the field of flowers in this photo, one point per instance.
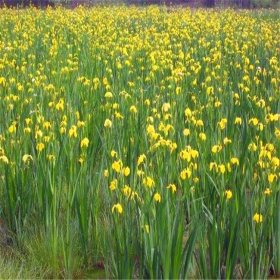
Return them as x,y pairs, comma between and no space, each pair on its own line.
141,142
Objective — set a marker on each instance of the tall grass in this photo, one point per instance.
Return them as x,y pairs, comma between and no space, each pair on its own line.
144,141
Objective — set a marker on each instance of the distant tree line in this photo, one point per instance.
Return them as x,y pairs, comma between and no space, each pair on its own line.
243,3
26,3
239,3
212,3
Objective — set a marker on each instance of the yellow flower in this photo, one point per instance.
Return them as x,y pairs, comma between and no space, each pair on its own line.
222,168
60,105
238,121
258,218
147,102
188,113
62,130
47,125
50,157
84,143
127,191
81,160
222,123
252,147
27,158
133,109
140,173
186,132
172,187
19,87
216,148
228,194
4,159
113,185
275,162
106,173
47,139
209,90
40,147
213,165
165,107
227,141
260,127
73,132
119,115
117,208
157,197
108,94
150,129
254,121
234,161
185,174
126,171
107,123
270,147
2,81
114,154
199,123
116,166
194,153
27,130
202,136
141,159
80,124
38,134
267,191
178,90
185,155
12,129
271,177
149,182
